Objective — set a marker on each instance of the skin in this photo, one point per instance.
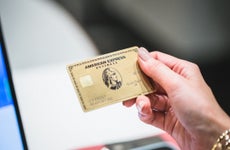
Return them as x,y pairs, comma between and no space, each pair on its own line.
183,104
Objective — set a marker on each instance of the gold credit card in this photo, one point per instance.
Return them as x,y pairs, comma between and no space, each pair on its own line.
108,79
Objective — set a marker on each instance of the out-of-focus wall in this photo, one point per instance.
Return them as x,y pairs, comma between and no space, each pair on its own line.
194,30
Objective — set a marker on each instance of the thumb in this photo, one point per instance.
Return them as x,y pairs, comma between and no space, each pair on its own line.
157,70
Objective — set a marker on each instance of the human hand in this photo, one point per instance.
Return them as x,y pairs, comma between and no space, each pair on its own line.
183,105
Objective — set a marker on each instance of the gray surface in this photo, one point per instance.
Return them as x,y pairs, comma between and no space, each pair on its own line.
194,30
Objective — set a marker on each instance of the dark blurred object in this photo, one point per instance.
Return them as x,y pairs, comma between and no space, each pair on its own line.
107,32
194,30
158,142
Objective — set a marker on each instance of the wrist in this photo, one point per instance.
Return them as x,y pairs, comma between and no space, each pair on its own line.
215,123
222,131
223,142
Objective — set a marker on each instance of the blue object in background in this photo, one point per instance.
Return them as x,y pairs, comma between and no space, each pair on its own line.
5,95
10,137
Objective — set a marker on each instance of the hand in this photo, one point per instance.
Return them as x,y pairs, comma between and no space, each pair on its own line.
183,104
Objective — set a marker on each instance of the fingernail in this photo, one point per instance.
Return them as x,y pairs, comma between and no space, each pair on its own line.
143,54
140,106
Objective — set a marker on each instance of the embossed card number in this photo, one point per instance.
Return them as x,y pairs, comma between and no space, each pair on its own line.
108,79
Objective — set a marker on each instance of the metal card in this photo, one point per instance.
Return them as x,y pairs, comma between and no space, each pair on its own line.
108,79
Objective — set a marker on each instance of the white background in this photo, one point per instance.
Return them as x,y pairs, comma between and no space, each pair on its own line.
42,39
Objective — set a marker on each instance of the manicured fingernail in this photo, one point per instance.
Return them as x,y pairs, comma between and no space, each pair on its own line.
143,54
140,106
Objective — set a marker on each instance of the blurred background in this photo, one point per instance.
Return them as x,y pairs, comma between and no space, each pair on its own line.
193,30
42,37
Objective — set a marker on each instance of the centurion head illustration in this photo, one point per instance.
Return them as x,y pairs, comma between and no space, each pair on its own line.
112,78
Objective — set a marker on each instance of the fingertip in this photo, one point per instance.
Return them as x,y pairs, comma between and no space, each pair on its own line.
143,105
129,103
144,54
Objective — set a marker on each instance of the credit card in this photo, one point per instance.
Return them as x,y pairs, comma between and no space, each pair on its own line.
109,78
